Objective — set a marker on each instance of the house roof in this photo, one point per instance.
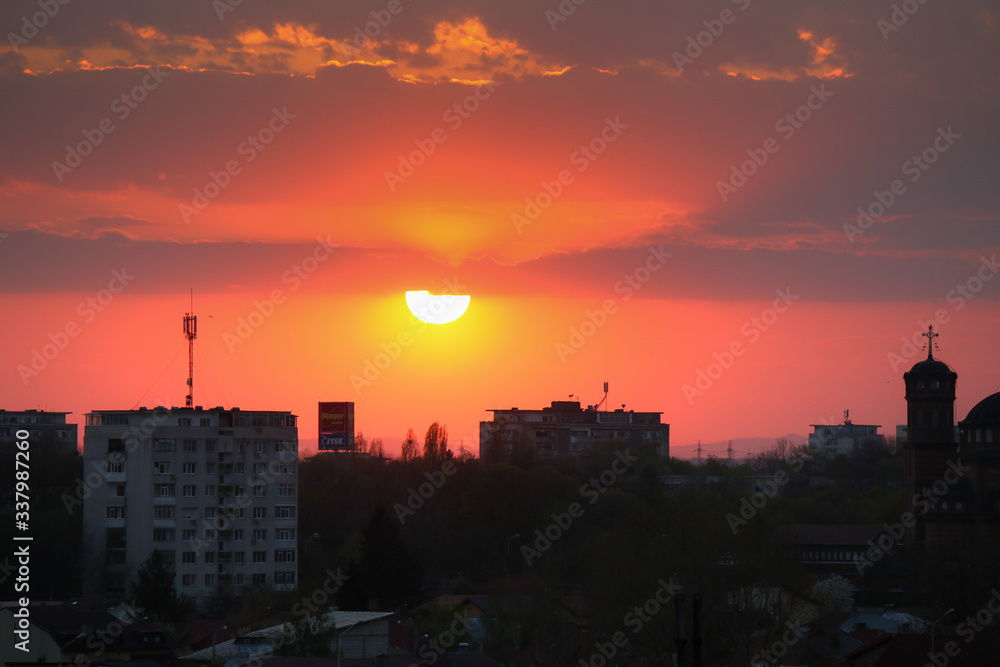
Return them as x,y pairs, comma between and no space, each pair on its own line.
332,620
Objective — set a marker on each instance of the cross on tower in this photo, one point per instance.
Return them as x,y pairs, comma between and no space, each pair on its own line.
930,336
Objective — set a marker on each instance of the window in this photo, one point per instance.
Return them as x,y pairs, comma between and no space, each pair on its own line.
164,445
260,579
189,491
285,534
240,490
286,468
189,468
284,556
189,534
210,490
187,557
259,534
210,534
115,538
260,490
285,511
238,579
187,580
120,490
116,512
161,467
209,579
239,468
958,505
165,490
114,444
190,445
184,421
238,534
286,490
209,558
209,512
284,446
935,417
238,512
116,467
239,557
260,512
284,577
259,448
163,512
205,421
260,556
210,446
211,468
163,534
258,468
241,447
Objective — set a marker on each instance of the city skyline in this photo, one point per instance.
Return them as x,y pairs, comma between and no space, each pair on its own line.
740,215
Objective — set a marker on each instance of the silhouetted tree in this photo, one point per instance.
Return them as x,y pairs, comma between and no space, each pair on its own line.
436,444
154,590
409,451
386,575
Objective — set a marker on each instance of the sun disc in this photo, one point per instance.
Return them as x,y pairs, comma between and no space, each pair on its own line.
437,308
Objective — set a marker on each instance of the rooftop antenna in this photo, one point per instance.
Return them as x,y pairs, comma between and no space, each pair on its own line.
699,451
190,332
847,416
729,452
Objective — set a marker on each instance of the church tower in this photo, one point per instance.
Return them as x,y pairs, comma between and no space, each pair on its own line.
930,426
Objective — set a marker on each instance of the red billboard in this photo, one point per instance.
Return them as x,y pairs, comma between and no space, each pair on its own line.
336,426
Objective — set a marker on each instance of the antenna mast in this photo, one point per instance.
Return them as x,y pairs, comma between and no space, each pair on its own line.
190,332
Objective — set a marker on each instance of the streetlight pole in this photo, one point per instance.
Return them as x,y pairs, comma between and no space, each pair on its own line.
932,628
214,630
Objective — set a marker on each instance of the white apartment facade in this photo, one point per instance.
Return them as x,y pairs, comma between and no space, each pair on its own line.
215,491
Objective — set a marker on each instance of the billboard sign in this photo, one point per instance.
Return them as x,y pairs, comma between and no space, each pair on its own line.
336,426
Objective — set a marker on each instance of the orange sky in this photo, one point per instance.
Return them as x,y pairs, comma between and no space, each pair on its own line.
541,165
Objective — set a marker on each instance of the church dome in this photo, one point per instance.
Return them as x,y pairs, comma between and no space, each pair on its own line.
929,367
986,412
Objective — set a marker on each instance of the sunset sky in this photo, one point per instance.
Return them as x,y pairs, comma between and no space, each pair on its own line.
629,191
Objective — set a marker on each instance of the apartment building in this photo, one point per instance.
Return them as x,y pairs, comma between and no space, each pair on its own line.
214,490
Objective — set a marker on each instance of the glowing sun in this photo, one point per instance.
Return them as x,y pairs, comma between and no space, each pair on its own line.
437,308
